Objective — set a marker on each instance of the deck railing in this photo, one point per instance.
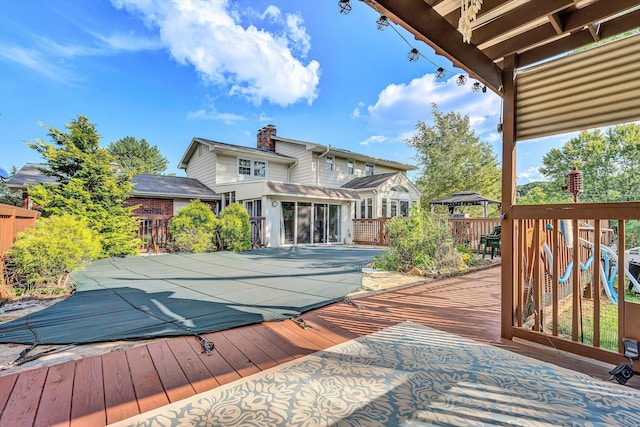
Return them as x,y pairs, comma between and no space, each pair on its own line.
370,231
565,268
12,221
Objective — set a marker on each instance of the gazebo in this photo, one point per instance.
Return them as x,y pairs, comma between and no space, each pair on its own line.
464,198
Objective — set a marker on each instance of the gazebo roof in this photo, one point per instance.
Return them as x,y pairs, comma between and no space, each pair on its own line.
464,198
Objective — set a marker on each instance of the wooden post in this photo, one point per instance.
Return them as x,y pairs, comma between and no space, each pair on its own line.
508,194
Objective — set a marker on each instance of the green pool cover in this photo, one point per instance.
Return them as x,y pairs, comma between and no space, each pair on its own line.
183,294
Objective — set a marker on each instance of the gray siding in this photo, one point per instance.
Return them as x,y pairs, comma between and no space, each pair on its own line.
304,172
227,170
202,166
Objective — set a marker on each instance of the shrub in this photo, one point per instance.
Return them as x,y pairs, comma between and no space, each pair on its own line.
193,228
43,257
423,240
234,228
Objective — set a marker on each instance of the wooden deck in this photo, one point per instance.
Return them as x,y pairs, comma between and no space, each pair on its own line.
99,390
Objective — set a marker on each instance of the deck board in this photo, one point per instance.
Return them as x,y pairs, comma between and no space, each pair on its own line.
120,397
234,357
149,376
88,408
254,353
192,365
6,387
174,381
21,407
145,378
222,371
55,404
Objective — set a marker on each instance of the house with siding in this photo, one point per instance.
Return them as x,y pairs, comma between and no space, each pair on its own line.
297,192
306,193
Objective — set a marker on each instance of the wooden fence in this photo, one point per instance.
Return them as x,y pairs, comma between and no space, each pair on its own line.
371,231
12,221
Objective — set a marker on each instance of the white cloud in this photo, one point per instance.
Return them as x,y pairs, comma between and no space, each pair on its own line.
356,114
375,139
38,62
264,118
213,114
253,63
530,175
400,106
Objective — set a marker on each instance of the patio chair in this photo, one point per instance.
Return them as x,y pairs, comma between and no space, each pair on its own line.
490,241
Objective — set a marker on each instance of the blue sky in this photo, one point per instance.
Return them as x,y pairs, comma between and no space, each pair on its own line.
170,71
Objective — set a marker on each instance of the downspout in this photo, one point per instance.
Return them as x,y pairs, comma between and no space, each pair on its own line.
295,162
318,165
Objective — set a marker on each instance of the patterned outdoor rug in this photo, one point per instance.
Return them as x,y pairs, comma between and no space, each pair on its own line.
407,375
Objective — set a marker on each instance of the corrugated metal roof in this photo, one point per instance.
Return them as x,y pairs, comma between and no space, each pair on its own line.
603,82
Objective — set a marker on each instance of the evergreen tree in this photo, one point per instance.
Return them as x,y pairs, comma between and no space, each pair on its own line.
88,186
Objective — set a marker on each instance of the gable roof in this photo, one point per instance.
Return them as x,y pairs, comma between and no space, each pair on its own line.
463,198
143,185
319,148
371,181
223,147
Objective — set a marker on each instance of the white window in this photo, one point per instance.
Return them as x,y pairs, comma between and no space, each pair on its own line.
368,169
244,167
259,168
252,167
331,163
350,167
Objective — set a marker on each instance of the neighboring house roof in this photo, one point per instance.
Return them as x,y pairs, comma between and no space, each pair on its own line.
29,174
144,185
286,189
231,149
319,148
371,181
171,186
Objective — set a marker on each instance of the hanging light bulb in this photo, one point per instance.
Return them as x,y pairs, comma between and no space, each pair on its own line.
462,80
413,55
476,87
484,89
382,23
440,73
345,6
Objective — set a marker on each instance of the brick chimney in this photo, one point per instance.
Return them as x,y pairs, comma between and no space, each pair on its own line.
265,143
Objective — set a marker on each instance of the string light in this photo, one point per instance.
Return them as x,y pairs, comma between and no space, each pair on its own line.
382,23
345,6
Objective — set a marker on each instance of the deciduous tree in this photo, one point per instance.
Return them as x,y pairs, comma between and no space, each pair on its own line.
452,158
609,161
137,156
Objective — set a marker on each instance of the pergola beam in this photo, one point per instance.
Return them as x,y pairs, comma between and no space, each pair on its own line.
427,25
608,29
572,22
